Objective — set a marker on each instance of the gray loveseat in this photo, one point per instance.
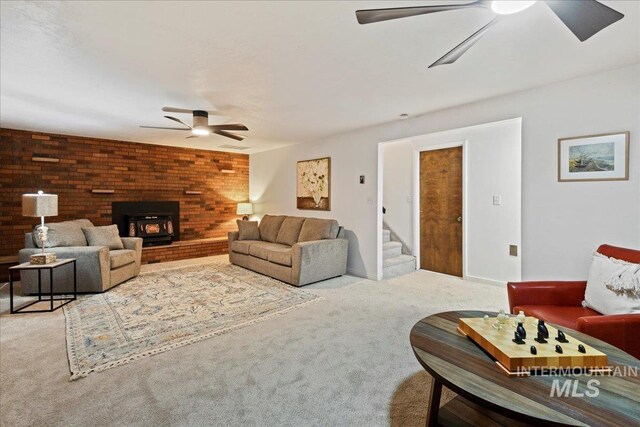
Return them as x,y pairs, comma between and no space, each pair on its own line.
294,250
98,267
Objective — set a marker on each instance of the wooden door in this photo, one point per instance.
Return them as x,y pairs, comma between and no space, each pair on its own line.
441,211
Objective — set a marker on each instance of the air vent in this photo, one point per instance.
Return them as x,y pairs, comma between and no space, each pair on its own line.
234,147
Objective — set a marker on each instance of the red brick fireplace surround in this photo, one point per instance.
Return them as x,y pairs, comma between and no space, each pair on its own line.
208,184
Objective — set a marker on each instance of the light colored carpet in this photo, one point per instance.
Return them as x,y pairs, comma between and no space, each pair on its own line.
343,361
163,310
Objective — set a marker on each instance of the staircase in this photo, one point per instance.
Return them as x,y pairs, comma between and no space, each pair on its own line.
394,262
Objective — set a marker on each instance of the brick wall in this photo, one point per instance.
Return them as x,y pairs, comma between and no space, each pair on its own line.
135,171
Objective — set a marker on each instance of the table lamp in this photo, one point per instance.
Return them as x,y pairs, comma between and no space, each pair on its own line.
245,209
40,205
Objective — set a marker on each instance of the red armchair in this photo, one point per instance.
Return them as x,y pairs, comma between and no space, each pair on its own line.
561,303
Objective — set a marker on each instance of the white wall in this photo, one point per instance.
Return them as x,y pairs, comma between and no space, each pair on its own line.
561,222
492,166
397,189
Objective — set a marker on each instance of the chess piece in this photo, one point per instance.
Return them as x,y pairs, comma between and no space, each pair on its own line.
486,317
540,338
517,338
581,348
543,328
558,349
534,350
521,331
520,318
561,337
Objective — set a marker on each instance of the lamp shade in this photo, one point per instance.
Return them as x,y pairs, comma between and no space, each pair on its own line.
245,209
38,205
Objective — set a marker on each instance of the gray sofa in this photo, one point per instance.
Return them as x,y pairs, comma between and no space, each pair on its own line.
98,267
294,250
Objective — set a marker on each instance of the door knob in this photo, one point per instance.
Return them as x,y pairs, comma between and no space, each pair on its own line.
459,219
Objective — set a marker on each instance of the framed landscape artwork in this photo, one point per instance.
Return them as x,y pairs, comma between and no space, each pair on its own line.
314,184
602,157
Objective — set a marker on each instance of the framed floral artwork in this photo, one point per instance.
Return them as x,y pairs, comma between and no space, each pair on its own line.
313,190
603,157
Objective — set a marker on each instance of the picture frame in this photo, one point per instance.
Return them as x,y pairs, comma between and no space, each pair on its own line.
313,189
601,157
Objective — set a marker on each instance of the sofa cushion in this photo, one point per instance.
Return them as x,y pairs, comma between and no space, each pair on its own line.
280,256
269,227
66,233
559,314
242,246
248,230
290,230
120,257
262,249
103,236
608,278
318,229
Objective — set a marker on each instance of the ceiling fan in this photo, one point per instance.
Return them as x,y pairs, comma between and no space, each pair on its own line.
201,126
583,17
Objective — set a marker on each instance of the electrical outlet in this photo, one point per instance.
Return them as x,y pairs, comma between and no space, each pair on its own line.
409,199
370,200
497,200
513,250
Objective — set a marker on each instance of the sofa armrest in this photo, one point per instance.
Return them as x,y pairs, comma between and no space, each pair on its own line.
620,330
318,260
232,236
92,263
134,244
546,293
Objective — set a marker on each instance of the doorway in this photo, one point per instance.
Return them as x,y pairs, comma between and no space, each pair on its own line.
441,206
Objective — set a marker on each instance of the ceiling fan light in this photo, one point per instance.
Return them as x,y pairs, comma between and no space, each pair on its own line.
507,7
200,131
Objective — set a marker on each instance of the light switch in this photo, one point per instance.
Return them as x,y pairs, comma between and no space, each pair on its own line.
361,179
370,200
409,199
497,200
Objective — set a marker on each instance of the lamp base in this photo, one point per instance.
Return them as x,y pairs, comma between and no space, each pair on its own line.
245,218
41,259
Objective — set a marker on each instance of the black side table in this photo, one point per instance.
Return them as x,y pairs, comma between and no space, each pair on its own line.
51,266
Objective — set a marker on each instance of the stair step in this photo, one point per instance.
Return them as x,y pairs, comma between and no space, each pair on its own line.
398,266
386,236
391,249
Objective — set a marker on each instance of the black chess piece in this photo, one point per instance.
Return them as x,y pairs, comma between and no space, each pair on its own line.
534,350
581,348
517,338
540,338
521,330
561,337
558,349
543,328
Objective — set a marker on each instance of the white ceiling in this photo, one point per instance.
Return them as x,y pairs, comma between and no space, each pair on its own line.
291,71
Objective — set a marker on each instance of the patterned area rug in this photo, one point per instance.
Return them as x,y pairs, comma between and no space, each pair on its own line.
162,310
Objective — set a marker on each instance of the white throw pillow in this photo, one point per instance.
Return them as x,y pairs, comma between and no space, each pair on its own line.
605,300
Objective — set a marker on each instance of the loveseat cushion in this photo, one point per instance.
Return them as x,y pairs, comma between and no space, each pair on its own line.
66,233
242,246
280,256
263,249
318,229
248,230
103,236
290,230
269,227
559,314
121,257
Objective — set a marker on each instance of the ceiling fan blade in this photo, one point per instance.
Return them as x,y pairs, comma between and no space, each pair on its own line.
232,126
191,136
455,53
157,127
229,135
178,120
176,110
377,15
584,18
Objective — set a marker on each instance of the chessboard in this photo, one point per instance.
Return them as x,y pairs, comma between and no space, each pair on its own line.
518,360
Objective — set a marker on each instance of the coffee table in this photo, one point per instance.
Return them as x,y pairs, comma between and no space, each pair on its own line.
488,397
40,268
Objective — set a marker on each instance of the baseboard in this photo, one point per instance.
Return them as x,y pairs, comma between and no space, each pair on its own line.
485,281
